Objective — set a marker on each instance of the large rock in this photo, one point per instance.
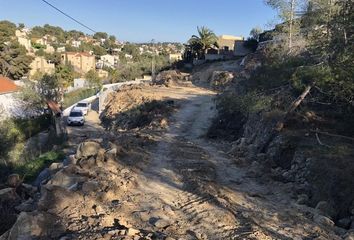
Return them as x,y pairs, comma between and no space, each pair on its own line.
55,198
13,180
87,149
326,209
27,206
90,187
324,221
43,177
349,235
9,196
36,225
66,179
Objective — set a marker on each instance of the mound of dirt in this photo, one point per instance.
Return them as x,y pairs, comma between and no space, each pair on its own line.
80,201
137,107
171,78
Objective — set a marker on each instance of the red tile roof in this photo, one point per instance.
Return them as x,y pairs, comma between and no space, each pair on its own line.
7,85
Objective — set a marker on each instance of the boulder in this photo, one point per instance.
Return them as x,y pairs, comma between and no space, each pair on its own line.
87,163
13,180
27,206
28,189
36,225
43,177
9,195
349,235
162,223
322,220
56,198
302,199
87,149
326,209
132,231
71,159
54,167
66,179
90,187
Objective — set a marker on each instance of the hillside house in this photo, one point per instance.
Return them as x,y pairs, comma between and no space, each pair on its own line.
81,61
40,64
226,44
107,61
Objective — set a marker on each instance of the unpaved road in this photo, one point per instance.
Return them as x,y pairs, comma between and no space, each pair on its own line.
191,189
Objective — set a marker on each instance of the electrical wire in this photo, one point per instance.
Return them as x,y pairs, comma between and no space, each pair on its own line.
67,15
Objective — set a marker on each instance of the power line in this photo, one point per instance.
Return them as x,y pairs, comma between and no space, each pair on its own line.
67,15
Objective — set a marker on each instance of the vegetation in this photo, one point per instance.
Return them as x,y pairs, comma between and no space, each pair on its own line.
77,95
14,62
199,44
93,79
32,168
323,61
14,133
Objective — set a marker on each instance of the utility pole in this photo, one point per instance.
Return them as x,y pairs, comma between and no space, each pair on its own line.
292,9
153,60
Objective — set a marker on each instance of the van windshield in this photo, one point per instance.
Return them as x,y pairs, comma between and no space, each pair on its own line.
81,105
76,114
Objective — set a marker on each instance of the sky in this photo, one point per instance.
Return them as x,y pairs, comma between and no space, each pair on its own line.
144,20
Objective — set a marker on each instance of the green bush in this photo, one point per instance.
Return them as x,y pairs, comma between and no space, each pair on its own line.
248,103
30,169
77,95
14,132
305,76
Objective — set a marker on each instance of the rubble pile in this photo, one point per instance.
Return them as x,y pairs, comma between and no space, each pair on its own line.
172,78
137,107
80,200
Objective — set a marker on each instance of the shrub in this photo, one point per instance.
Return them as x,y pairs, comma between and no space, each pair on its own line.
77,95
248,103
30,169
13,136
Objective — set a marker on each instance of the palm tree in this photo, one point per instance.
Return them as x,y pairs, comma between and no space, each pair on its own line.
205,40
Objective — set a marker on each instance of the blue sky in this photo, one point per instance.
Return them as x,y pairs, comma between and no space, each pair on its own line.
143,20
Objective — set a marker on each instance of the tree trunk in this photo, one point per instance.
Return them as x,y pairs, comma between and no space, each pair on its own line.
293,106
291,24
280,124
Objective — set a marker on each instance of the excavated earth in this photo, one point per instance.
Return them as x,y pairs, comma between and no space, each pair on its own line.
162,181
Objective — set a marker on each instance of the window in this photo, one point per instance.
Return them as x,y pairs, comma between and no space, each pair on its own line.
75,114
81,105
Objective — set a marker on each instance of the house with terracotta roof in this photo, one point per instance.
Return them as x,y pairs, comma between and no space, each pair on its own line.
81,61
9,105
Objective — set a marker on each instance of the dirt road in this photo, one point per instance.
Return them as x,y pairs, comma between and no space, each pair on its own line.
191,189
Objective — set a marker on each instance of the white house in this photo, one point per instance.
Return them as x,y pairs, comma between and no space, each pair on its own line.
108,61
76,43
9,104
